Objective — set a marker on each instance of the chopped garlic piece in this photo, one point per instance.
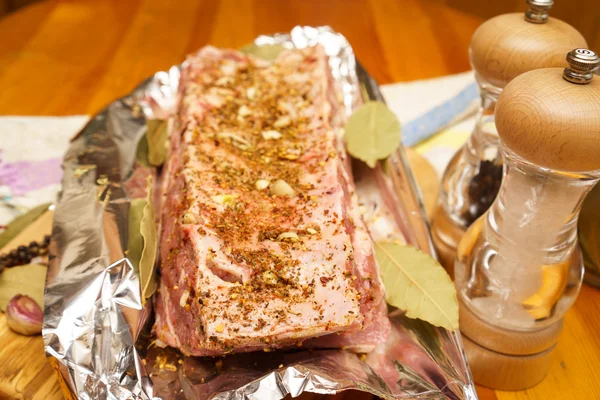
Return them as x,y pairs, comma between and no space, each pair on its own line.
270,278
184,298
261,184
225,199
214,100
311,231
228,67
289,236
251,93
244,111
236,140
223,81
226,93
189,218
282,188
282,121
219,328
271,134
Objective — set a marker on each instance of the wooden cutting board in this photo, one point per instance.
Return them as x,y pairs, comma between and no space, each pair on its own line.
24,371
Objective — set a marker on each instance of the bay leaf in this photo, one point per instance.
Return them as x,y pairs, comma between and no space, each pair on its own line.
135,241
418,284
156,136
148,231
268,52
28,280
372,133
20,223
141,152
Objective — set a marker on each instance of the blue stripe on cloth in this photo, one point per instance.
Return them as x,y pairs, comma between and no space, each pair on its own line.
437,118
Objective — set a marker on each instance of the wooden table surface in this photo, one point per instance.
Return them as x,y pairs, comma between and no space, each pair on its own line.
73,57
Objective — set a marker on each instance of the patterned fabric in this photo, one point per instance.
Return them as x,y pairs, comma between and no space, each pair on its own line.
436,115
31,150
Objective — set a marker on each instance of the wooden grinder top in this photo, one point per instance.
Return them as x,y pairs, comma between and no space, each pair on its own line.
508,45
551,117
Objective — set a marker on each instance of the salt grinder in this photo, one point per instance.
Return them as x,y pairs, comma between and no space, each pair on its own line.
519,267
501,49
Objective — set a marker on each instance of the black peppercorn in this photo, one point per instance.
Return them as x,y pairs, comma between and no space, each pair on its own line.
483,190
24,254
34,251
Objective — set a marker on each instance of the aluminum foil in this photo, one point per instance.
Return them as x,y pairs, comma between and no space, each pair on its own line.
96,331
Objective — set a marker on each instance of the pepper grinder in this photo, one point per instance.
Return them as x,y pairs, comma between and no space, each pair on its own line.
501,49
519,267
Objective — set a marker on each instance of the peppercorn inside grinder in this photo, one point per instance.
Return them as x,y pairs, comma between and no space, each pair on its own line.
519,267
501,49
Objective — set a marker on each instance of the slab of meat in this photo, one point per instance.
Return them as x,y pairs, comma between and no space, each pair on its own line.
262,244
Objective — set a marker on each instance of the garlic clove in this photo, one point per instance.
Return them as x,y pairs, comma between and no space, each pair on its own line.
244,111
270,278
251,93
262,184
271,134
184,298
24,315
228,200
288,236
282,188
189,218
282,121
235,139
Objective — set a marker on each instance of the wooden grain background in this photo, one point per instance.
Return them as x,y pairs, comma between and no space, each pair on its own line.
582,14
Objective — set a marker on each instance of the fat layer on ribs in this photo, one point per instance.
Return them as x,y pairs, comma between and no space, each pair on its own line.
262,243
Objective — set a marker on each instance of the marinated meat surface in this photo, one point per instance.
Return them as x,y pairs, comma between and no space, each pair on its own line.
262,243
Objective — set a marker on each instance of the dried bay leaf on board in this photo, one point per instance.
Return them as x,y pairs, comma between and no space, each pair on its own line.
156,136
418,284
268,52
149,233
20,223
372,133
28,280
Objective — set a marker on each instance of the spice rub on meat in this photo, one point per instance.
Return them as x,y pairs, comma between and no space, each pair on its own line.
262,244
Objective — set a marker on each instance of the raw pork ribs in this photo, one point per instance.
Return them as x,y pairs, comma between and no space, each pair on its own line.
262,242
